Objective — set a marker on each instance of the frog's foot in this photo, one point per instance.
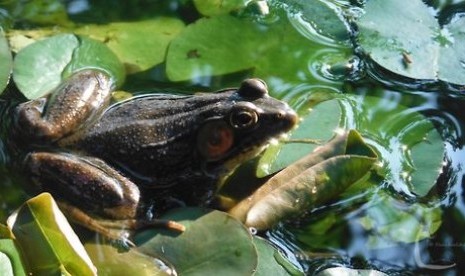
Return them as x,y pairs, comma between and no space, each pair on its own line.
115,230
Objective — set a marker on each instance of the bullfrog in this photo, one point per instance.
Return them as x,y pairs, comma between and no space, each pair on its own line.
130,160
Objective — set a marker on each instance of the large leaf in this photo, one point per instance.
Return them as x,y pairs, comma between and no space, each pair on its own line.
138,50
213,243
10,259
47,240
410,146
41,66
322,17
5,61
389,221
271,261
405,38
311,181
319,125
206,49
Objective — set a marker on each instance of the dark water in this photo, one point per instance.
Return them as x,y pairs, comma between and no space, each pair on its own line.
371,228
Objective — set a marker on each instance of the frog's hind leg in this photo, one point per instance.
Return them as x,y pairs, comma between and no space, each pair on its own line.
86,182
83,183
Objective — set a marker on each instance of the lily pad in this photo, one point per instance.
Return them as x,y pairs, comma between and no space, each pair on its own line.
218,7
5,61
42,66
48,242
410,146
318,125
271,261
138,50
390,221
213,243
405,38
205,49
322,18
309,182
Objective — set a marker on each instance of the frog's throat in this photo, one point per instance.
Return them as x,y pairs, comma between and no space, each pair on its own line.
232,164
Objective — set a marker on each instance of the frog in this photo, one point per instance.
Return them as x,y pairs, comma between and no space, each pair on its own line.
130,161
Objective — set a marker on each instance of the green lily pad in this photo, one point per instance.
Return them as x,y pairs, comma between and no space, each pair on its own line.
390,221
138,50
10,259
271,261
309,182
47,240
213,243
218,7
323,17
410,146
42,66
452,59
319,125
206,49
405,38
5,60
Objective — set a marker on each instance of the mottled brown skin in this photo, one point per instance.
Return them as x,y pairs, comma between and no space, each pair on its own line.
156,149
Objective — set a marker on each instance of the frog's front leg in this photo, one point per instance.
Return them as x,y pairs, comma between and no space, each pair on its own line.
72,105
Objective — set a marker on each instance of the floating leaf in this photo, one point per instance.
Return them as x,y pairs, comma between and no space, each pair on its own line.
42,66
10,259
218,7
410,146
309,182
5,61
205,49
390,221
452,59
213,243
139,50
405,38
323,18
47,240
271,262
318,125
109,261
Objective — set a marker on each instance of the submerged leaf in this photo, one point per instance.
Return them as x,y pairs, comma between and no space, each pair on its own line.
307,183
213,243
47,240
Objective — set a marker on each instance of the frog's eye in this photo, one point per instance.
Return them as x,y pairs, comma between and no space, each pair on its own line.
214,139
243,118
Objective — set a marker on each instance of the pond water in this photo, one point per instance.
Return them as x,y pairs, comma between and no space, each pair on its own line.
408,215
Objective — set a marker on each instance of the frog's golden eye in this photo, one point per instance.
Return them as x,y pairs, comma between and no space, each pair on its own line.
243,118
214,139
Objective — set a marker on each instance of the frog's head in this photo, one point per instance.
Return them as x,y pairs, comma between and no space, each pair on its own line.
247,124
